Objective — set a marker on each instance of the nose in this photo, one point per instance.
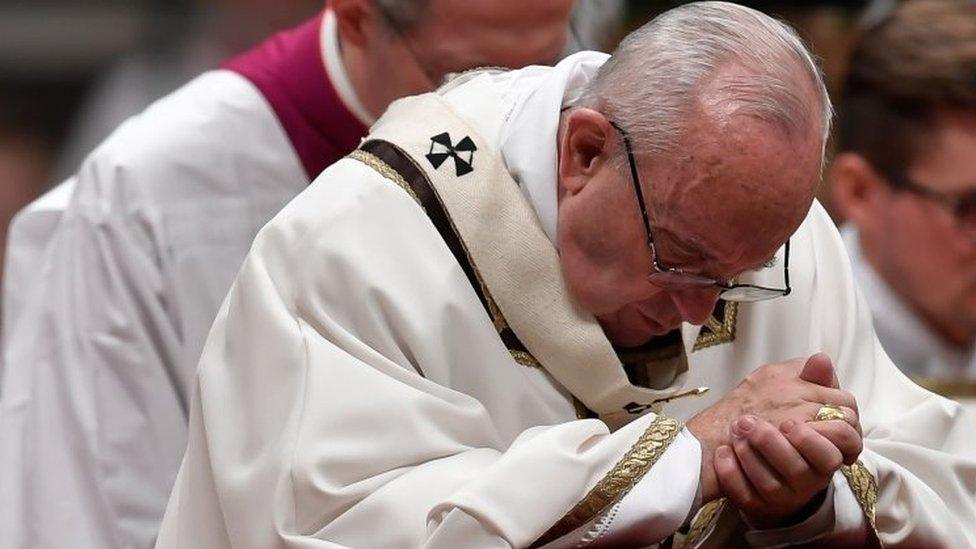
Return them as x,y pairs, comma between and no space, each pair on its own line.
695,305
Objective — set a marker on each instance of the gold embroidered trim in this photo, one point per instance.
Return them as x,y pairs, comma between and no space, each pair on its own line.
385,170
621,479
525,359
865,489
704,522
719,332
948,387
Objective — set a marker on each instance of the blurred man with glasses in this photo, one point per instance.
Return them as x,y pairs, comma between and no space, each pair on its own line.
905,180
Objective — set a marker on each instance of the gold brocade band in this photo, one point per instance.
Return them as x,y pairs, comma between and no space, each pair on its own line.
865,489
385,170
621,479
715,331
704,522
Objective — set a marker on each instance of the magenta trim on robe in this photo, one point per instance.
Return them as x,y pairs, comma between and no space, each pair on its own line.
289,71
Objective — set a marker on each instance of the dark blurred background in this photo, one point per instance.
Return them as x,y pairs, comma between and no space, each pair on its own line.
71,71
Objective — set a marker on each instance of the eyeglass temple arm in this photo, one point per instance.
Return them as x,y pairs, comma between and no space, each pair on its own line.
636,180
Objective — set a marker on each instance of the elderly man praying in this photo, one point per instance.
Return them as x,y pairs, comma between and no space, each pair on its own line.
494,323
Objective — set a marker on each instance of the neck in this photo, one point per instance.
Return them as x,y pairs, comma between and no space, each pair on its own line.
362,71
950,333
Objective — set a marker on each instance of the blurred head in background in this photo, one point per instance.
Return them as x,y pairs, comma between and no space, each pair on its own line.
394,48
905,171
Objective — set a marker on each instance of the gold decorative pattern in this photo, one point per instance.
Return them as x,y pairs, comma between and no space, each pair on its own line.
703,523
582,412
829,412
718,332
621,479
948,387
525,359
865,489
385,170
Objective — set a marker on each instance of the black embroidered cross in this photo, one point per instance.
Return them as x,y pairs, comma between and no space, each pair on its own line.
441,149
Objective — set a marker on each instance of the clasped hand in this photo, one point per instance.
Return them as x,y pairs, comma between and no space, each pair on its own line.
762,447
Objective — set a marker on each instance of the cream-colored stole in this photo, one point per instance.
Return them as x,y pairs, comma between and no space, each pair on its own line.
515,265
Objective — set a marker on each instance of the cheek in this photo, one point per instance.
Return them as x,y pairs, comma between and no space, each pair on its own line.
599,288
600,255
928,255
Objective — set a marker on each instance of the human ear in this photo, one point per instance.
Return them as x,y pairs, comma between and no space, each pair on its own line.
353,18
583,148
856,189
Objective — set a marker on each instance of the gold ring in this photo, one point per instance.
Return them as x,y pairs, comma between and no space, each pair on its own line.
828,412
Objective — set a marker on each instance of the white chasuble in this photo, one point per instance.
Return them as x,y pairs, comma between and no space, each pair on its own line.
371,381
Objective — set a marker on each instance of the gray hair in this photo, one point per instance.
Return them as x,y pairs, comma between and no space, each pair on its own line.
661,70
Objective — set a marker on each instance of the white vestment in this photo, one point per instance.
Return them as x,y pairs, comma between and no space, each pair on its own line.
354,392
112,282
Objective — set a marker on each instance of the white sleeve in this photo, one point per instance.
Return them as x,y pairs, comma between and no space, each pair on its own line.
91,424
654,509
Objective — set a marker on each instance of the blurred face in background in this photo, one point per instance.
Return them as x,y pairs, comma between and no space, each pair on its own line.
915,240
402,57
240,24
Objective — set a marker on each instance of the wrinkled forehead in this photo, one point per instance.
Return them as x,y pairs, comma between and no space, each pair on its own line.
461,35
739,192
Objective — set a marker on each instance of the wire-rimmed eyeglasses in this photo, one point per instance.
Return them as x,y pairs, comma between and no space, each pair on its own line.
961,206
672,278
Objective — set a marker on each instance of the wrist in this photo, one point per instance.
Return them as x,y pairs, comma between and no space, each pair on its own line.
792,518
707,479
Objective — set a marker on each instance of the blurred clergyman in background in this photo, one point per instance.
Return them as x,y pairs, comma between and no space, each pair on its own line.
905,179
109,328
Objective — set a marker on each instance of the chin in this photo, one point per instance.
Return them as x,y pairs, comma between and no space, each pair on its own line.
635,337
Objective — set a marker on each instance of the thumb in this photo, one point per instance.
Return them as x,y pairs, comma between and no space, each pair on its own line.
819,369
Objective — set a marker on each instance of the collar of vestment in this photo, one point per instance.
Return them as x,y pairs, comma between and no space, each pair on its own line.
289,71
467,191
518,113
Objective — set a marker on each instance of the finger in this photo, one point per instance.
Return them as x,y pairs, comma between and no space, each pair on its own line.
785,460
842,436
826,395
733,482
819,452
819,369
761,475
850,416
